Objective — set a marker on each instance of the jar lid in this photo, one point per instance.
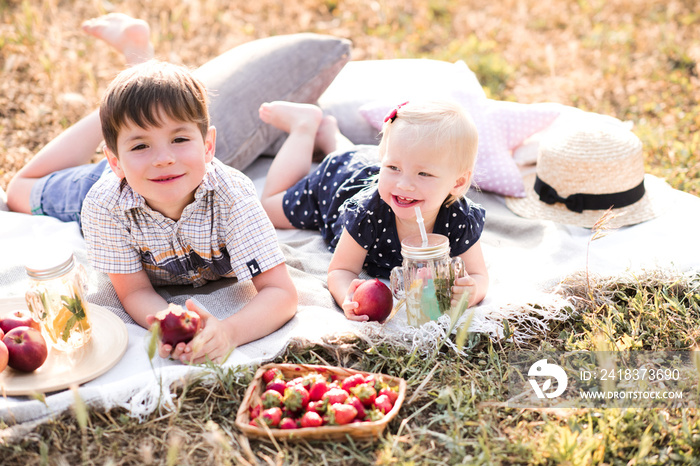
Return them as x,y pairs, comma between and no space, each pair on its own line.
437,246
50,264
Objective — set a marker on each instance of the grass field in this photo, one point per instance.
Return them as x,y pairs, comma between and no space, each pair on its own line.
637,60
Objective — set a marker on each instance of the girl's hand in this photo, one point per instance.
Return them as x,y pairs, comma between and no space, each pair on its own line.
349,305
461,286
212,342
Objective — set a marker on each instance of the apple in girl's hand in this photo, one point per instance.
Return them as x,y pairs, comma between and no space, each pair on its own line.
18,318
4,356
26,348
177,324
375,300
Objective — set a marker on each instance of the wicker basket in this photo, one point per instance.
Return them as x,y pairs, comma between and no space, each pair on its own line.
359,430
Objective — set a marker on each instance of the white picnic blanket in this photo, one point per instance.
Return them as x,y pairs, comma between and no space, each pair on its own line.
526,260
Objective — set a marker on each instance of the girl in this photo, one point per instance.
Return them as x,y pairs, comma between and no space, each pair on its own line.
364,203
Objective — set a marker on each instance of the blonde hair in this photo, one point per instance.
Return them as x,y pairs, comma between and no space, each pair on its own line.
444,125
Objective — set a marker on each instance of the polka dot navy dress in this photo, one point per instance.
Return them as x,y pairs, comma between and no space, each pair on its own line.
341,194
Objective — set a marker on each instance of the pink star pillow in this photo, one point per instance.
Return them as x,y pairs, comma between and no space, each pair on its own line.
502,127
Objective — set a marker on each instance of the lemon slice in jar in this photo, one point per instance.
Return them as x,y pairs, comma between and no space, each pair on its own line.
58,325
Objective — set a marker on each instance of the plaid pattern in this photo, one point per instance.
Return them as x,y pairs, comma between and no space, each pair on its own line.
224,233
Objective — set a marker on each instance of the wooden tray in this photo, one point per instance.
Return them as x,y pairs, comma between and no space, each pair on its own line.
359,431
106,347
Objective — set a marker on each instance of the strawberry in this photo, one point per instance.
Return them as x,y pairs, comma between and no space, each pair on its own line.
355,401
271,399
333,385
391,393
277,385
352,381
254,411
272,416
318,389
295,398
317,406
365,392
311,419
296,381
335,395
373,381
288,423
383,404
373,415
341,414
272,374
310,379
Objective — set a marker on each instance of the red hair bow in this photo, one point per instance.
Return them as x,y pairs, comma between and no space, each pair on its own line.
392,115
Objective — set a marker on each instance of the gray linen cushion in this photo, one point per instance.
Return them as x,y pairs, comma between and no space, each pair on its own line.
294,67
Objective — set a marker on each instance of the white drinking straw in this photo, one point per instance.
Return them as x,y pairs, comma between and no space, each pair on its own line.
421,226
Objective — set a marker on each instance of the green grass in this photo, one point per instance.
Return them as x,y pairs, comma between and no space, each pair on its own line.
455,411
631,59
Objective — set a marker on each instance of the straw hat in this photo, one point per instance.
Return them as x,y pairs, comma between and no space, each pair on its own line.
586,169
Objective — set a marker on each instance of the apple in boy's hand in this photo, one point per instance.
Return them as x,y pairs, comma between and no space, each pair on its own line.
18,318
177,325
4,356
26,348
375,300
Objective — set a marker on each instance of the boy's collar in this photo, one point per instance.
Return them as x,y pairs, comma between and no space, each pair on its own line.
209,182
128,198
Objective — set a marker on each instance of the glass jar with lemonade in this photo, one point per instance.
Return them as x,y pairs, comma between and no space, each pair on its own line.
56,299
425,278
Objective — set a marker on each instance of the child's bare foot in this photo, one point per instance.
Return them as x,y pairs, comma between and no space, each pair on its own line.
325,141
291,116
329,139
128,35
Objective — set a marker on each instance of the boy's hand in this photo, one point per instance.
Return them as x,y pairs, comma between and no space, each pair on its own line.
166,350
349,305
213,341
463,285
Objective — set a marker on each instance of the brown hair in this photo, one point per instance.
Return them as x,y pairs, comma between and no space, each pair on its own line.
444,124
138,94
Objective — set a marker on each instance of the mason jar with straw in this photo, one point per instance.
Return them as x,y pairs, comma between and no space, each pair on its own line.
424,280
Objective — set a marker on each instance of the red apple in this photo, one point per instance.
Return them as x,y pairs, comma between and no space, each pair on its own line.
374,299
4,356
177,325
26,349
18,318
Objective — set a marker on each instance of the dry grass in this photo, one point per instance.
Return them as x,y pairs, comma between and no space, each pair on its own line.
633,59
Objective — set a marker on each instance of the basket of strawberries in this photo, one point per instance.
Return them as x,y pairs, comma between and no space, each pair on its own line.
295,401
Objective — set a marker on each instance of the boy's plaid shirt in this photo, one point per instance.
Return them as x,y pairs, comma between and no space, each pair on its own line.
224,232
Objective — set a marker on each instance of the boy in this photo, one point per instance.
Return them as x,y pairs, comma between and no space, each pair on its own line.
169,213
